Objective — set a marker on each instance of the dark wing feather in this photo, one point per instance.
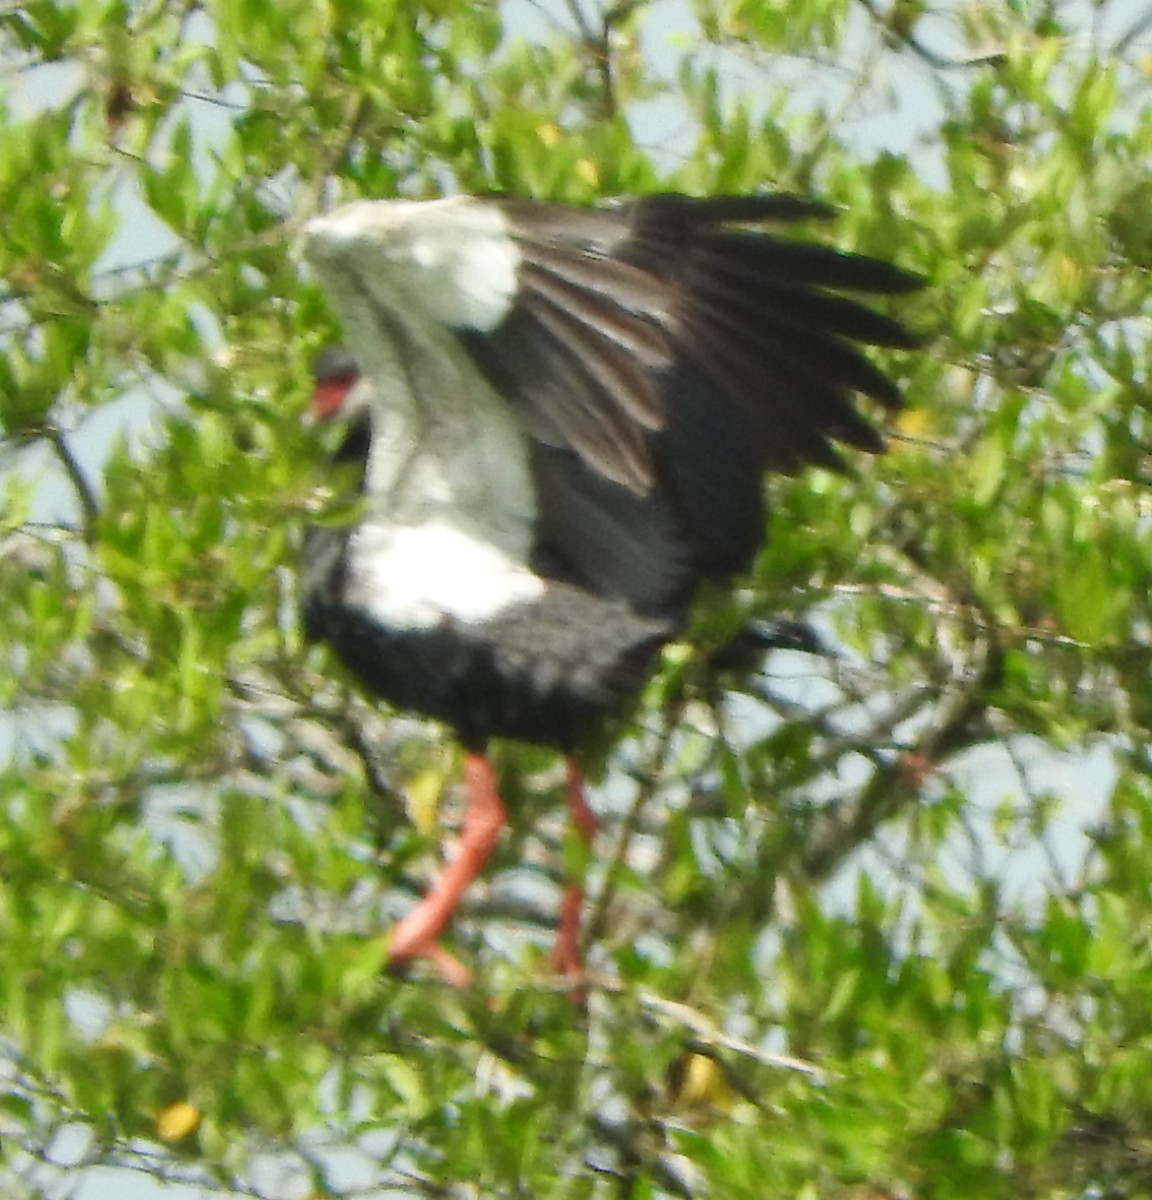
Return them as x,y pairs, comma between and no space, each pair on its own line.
664,354
601,536
558,401
612,338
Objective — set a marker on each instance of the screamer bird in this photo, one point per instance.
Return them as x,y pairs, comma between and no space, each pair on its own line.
563,419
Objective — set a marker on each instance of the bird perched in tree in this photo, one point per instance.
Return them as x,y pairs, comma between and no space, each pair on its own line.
564,418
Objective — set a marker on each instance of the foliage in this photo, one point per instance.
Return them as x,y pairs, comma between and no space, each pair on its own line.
877,924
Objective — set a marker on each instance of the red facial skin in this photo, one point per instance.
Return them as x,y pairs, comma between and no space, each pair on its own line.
330,393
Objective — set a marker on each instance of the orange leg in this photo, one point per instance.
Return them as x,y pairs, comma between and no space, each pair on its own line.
566,959
416,936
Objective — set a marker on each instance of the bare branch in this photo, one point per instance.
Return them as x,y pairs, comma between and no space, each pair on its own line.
895,35
896,782
89,505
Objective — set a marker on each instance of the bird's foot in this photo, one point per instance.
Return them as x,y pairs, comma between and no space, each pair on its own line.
418,934
415,937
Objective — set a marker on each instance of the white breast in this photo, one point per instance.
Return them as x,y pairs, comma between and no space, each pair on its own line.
412,577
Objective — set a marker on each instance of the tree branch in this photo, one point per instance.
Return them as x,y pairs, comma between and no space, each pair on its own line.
89,506
897,782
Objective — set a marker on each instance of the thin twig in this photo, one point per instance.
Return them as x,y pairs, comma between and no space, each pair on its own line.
897,783
646,789
937,61
89,505
705,1031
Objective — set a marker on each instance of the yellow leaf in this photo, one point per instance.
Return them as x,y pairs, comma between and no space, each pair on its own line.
177,1121
915,422
1069,270
588,171
697,1085
422,793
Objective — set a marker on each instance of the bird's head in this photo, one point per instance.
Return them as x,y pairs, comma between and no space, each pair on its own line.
335,374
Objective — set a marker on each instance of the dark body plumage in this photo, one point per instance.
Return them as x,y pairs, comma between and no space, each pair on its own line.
545,671
564,418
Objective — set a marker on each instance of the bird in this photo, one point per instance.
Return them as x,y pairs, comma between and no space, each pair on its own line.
560,420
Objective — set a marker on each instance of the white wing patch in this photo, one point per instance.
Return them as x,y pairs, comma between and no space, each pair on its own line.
414,576
450,495
454,259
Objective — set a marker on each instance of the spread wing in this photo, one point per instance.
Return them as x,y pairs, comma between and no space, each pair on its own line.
663,355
